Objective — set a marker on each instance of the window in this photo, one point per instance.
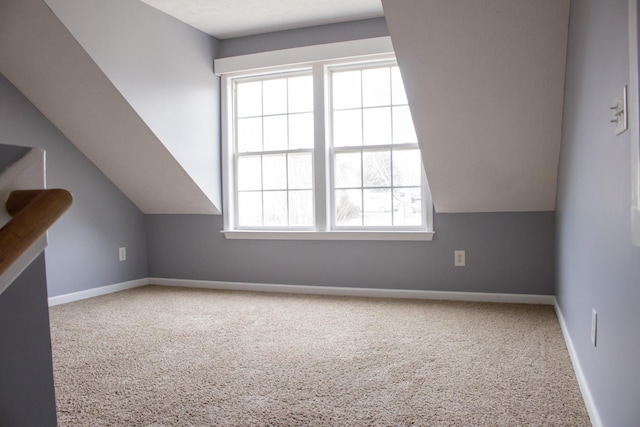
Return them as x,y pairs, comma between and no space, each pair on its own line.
377,173
323,150
274,151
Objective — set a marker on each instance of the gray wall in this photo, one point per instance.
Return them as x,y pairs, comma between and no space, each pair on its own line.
27,396
83,244
597,265
333,33
506,253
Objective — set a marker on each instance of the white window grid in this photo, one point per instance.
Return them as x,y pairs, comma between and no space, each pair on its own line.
322,153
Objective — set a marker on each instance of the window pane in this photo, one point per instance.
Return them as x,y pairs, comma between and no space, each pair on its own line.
275,208
407,167
300,171
409,211
397,87
275,133
346,89
403,130
249,99
348,210
249,173
377,126
274,172
347,128
274,96
377,207
347,170
249,135
250,209
376,87
301,208
301,130
300,94
377,168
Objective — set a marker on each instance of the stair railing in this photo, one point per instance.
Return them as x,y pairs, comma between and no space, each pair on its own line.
32,213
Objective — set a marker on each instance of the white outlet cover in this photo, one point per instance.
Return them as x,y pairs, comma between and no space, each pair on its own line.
459,258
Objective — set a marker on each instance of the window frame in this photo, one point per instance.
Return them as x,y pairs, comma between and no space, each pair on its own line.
318,59
359,65
237,155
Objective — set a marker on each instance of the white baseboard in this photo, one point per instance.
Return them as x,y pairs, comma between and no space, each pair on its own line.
103,290
360,292
309,290
596,421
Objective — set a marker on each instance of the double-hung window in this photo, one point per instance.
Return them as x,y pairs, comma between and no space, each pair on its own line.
273,151
323,149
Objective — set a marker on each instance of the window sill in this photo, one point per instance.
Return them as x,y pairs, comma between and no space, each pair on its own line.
329,235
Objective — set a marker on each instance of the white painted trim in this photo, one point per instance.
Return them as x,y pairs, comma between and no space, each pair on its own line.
357,292
634,121
103,290
596,421
306,54
635,226
329,235
28,173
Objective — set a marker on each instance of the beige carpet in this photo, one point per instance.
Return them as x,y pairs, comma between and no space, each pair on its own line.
157,356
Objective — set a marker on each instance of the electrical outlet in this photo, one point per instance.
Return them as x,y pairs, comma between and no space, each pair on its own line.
122,254
594,327
459,258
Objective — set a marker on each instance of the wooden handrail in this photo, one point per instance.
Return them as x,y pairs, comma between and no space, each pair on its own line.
33,212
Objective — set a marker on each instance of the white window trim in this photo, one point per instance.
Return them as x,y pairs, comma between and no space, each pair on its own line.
287,59
302,55
634,121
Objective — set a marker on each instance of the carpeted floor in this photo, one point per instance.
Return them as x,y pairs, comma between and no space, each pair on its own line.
159,356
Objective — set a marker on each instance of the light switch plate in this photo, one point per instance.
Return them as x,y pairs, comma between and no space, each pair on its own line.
620,111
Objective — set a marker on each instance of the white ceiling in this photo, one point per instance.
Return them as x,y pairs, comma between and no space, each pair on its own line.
235,18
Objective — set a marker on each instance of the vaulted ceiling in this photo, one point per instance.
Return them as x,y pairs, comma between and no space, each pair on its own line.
484,80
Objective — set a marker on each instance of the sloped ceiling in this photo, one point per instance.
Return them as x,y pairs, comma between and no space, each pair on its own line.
46,63
485,81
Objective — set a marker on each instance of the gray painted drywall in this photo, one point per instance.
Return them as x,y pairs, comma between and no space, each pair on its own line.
27,396
83,245
506,253
598,267
366,28
9,154
164,69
